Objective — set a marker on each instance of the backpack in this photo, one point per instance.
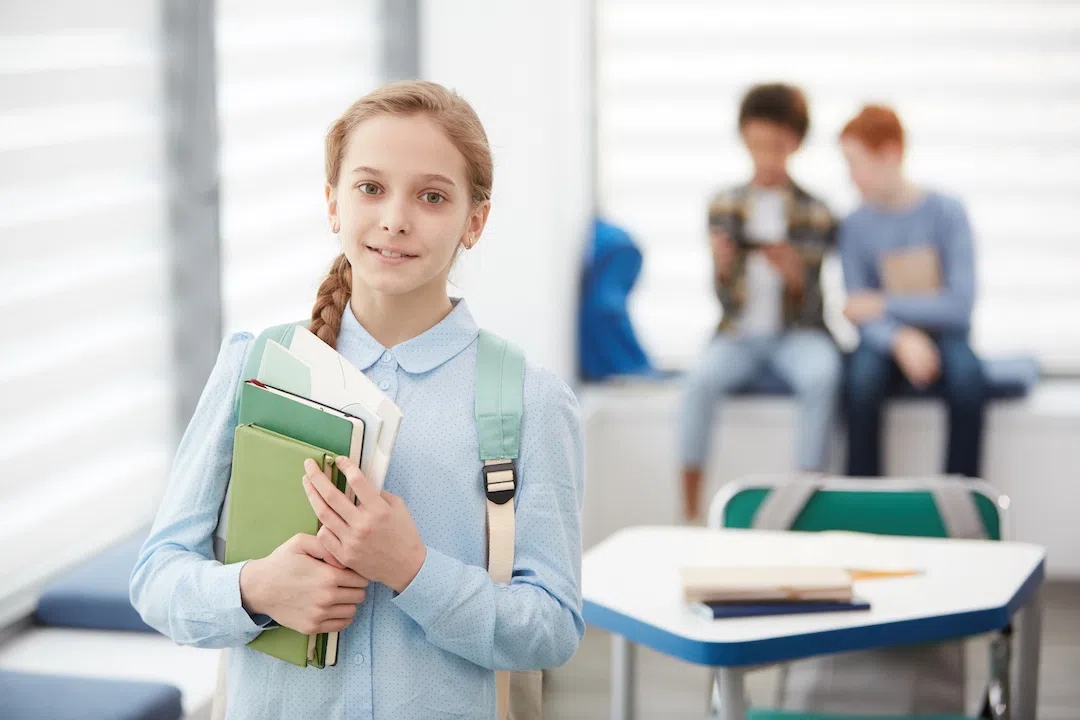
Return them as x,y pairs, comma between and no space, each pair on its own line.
607,344
500,378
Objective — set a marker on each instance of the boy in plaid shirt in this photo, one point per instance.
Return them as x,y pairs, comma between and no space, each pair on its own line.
768,240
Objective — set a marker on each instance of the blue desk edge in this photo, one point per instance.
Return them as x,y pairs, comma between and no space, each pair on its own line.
758,652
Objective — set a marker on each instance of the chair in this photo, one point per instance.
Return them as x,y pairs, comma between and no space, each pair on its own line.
919,507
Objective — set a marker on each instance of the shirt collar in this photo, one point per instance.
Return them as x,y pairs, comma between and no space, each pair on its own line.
420,354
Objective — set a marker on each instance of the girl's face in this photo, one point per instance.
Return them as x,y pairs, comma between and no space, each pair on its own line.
403,204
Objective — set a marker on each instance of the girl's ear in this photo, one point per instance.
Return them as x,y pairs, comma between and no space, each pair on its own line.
474,228
332,209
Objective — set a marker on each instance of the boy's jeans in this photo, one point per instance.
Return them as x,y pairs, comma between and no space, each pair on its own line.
808,360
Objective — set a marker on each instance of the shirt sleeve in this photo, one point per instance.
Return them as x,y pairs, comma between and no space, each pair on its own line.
860,275
722,218
949,309
534,622
176,585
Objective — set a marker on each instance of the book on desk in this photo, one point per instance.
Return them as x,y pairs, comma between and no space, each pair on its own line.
737,592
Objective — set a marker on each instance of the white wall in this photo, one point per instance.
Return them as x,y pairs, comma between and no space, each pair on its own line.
529,84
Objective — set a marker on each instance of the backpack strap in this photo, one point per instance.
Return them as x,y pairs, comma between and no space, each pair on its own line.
500,381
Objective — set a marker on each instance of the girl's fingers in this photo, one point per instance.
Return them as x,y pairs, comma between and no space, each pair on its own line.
350,596
344,611
326,514
332,543
329,626
365,491
329,492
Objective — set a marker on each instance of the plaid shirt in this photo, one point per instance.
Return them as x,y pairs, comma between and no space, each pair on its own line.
811,231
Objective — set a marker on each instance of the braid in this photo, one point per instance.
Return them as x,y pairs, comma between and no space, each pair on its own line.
331,300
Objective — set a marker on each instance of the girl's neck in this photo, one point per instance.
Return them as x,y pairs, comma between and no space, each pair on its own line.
393,319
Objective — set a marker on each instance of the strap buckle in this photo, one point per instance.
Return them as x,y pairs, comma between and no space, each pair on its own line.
500,480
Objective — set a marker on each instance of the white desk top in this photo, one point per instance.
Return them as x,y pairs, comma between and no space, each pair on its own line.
631,587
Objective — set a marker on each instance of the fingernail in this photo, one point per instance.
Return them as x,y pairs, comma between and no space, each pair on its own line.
340,459
304,480
308,464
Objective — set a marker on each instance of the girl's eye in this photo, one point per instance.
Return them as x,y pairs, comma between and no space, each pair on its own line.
433,197
369,188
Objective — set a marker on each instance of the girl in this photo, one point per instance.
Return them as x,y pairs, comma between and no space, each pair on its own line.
403,574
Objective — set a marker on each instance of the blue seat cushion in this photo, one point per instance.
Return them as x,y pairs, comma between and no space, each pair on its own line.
95,594
758,714
30,696
1007,377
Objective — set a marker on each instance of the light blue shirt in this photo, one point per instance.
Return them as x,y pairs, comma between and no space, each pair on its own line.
937,221
430,651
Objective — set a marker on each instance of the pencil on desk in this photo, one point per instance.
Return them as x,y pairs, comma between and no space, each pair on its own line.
857,574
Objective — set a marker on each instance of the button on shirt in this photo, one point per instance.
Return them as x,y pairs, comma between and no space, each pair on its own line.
428,652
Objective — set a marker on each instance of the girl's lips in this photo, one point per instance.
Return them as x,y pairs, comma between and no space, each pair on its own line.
396,259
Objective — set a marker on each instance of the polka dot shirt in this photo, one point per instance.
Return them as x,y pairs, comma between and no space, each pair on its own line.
428,652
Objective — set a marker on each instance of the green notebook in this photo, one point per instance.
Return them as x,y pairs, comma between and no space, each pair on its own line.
300,419
304,420
268,507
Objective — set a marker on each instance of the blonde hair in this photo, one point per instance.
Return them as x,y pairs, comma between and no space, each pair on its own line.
456,118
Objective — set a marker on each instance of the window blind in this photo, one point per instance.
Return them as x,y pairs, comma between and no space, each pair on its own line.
85,376
286,71
990,96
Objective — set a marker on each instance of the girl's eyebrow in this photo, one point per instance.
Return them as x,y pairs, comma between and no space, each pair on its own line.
435,177
430,177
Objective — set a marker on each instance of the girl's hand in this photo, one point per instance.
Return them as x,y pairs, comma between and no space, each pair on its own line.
301,587
377,538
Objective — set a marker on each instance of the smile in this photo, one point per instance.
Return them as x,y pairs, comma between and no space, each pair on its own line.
387,254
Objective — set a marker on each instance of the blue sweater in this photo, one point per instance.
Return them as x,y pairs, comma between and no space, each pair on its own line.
937,220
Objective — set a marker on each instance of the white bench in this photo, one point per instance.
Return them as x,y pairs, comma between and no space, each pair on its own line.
116,655
1031,453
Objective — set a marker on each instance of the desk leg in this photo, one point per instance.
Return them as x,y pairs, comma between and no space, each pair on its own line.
622,678
732,692
1027,671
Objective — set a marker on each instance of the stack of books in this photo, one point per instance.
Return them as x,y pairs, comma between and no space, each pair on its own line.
730,592
307,402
